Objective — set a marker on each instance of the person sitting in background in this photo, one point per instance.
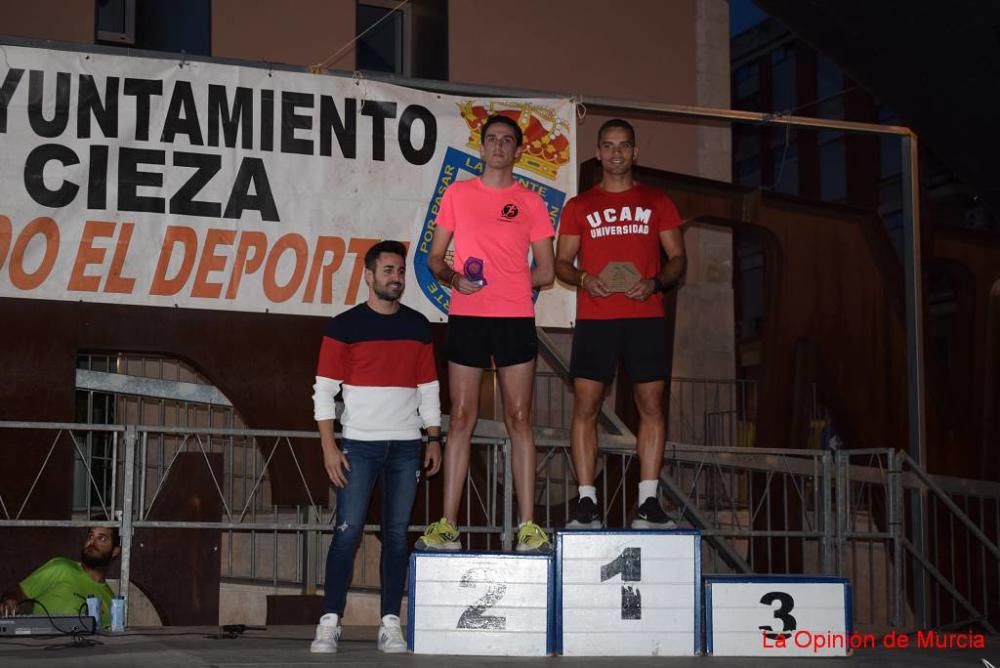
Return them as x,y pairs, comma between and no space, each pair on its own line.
61,586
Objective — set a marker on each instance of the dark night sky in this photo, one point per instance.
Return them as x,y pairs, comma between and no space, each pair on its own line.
743,14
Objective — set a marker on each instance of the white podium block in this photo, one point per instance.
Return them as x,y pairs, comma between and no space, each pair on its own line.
628,593
777,616
481,603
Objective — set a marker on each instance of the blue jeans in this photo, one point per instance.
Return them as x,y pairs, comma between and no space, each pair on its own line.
397,464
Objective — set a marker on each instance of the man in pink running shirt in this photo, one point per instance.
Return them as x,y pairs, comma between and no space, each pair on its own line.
494,222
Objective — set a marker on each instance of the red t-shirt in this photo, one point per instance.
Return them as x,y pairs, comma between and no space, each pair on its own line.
619,227
497,226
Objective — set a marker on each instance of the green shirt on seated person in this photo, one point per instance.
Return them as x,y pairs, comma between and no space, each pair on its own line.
62,586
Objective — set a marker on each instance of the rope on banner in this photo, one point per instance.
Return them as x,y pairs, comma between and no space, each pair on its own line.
359,79
784,153
332,58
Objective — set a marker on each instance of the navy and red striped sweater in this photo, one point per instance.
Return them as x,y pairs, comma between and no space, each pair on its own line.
385,366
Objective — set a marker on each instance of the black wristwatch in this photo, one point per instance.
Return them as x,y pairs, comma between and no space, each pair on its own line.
433,439
657,284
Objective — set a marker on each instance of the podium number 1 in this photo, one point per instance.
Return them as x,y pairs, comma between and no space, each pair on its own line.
628,565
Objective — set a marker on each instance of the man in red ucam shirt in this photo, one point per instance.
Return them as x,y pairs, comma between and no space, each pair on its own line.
619,220
381,355
494,222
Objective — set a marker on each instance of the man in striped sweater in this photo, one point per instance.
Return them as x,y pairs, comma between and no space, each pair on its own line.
380,355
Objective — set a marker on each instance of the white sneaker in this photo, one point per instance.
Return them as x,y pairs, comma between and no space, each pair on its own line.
327,635
390,636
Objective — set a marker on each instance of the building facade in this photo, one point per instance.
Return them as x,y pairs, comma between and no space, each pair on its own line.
776,72
87,362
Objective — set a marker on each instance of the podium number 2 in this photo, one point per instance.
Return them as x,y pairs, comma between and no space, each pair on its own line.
473,617
786,603
628,564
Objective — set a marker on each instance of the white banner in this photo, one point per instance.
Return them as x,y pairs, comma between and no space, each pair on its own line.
158,182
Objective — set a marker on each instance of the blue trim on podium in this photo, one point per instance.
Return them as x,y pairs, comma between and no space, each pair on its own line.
557,575
823,579
848,609
411,603
697,593
708,617
550,632
478,553
639,532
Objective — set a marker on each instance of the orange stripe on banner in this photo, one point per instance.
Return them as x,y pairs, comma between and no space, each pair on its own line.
186,237
281,293
117,283
246,263
359,246
195,263
21,279
336,247
211,262
6,232
87,254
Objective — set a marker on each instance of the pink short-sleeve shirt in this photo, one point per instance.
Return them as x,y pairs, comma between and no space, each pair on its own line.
497,226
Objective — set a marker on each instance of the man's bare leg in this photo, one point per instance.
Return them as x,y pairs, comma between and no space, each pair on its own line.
517,384
649,445
588,396
463,384
652,429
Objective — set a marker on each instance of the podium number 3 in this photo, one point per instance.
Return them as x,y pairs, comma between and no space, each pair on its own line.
786,603
473,617
628,564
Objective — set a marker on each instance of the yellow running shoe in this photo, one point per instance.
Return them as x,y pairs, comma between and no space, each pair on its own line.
440,535
532,538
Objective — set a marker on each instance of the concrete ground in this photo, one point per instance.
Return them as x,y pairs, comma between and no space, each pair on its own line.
289,646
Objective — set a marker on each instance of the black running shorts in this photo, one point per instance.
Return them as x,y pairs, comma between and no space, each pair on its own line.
474,341
639,342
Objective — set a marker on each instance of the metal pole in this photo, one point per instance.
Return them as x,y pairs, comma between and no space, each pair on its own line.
622,105
912,267
895,490
914,298
125,533
842,507
482,90
826,481
508,497
310,540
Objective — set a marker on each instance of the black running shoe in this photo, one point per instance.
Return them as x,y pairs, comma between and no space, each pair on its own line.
585,515
651,516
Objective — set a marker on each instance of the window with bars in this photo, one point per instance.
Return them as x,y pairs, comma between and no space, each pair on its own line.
154,391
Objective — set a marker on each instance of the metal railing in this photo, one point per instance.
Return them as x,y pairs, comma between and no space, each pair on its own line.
762,511
868,535
843,513
955,582
262,542
702,411
712,411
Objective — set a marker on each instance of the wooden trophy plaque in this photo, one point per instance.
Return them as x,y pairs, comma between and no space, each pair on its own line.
620,276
